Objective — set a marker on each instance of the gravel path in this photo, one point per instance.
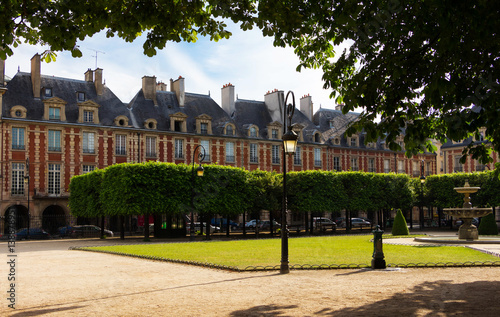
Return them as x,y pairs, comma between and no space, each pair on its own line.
57,282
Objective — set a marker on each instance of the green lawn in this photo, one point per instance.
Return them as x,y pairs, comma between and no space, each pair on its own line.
332,250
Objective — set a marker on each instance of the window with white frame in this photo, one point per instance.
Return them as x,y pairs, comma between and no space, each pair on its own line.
150,146
54,184
121,144
371,165
274,133
55,140
88,116
458,167
354,164
336,164
253,132
54,113
206,147
17,185
317,157
354,141
179,148
387,166
275,154
89,142
230,152
401,166
18,138
297,156
204,128
88,168
254,153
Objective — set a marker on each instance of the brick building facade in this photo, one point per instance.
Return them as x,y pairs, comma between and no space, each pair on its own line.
54,128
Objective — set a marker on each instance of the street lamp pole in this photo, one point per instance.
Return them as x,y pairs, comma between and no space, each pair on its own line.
27,182
199,172
289,147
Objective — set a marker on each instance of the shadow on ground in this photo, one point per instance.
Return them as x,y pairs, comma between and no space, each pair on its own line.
440,298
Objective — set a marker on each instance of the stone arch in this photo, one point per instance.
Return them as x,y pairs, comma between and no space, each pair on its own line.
21,216
53,217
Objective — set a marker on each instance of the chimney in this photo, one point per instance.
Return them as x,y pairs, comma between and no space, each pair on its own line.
36,75
89,75
274,101
99,87
339,107
149,88
227,96
178,87
306,106
2,73
161,86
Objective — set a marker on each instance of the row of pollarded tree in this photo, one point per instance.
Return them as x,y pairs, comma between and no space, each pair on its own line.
156,188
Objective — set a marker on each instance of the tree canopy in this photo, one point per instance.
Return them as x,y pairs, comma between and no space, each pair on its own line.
428,68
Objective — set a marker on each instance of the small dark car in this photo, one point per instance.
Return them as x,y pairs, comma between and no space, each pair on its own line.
35,233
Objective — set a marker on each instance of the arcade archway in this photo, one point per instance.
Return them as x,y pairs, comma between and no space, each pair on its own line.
53,217
20,213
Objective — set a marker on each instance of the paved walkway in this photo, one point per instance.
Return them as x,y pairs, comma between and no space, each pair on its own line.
493,249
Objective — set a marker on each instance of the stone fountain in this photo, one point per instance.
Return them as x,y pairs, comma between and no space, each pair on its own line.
467,230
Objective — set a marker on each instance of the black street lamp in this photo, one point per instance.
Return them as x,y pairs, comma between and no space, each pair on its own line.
27,183
289,146
199,172
422,181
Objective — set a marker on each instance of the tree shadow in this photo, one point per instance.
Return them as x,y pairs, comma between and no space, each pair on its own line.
439,298
264,310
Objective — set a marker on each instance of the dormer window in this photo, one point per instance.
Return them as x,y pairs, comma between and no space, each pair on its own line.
253,132
47,92
229,130
80,96
88,116
54,113
121,121
18,112
204,124
204,128
54,109
274,133
88,112
317,138
150,124
178,122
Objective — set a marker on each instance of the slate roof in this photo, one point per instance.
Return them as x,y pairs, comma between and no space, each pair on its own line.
167,104
20,93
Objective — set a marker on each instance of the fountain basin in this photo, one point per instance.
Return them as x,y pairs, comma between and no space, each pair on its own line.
456,240
467,230
467,212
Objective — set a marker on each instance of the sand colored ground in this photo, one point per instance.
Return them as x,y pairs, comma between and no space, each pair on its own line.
78,283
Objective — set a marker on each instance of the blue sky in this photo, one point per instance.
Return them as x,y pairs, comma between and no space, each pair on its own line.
247,60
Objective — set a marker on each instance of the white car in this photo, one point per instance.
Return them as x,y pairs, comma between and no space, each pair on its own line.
197,228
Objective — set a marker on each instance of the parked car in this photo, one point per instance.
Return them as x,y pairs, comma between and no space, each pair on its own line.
222,222
252,223
323,223
359,222
197,227
88,231
266,224
340,221
64,231
35,233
